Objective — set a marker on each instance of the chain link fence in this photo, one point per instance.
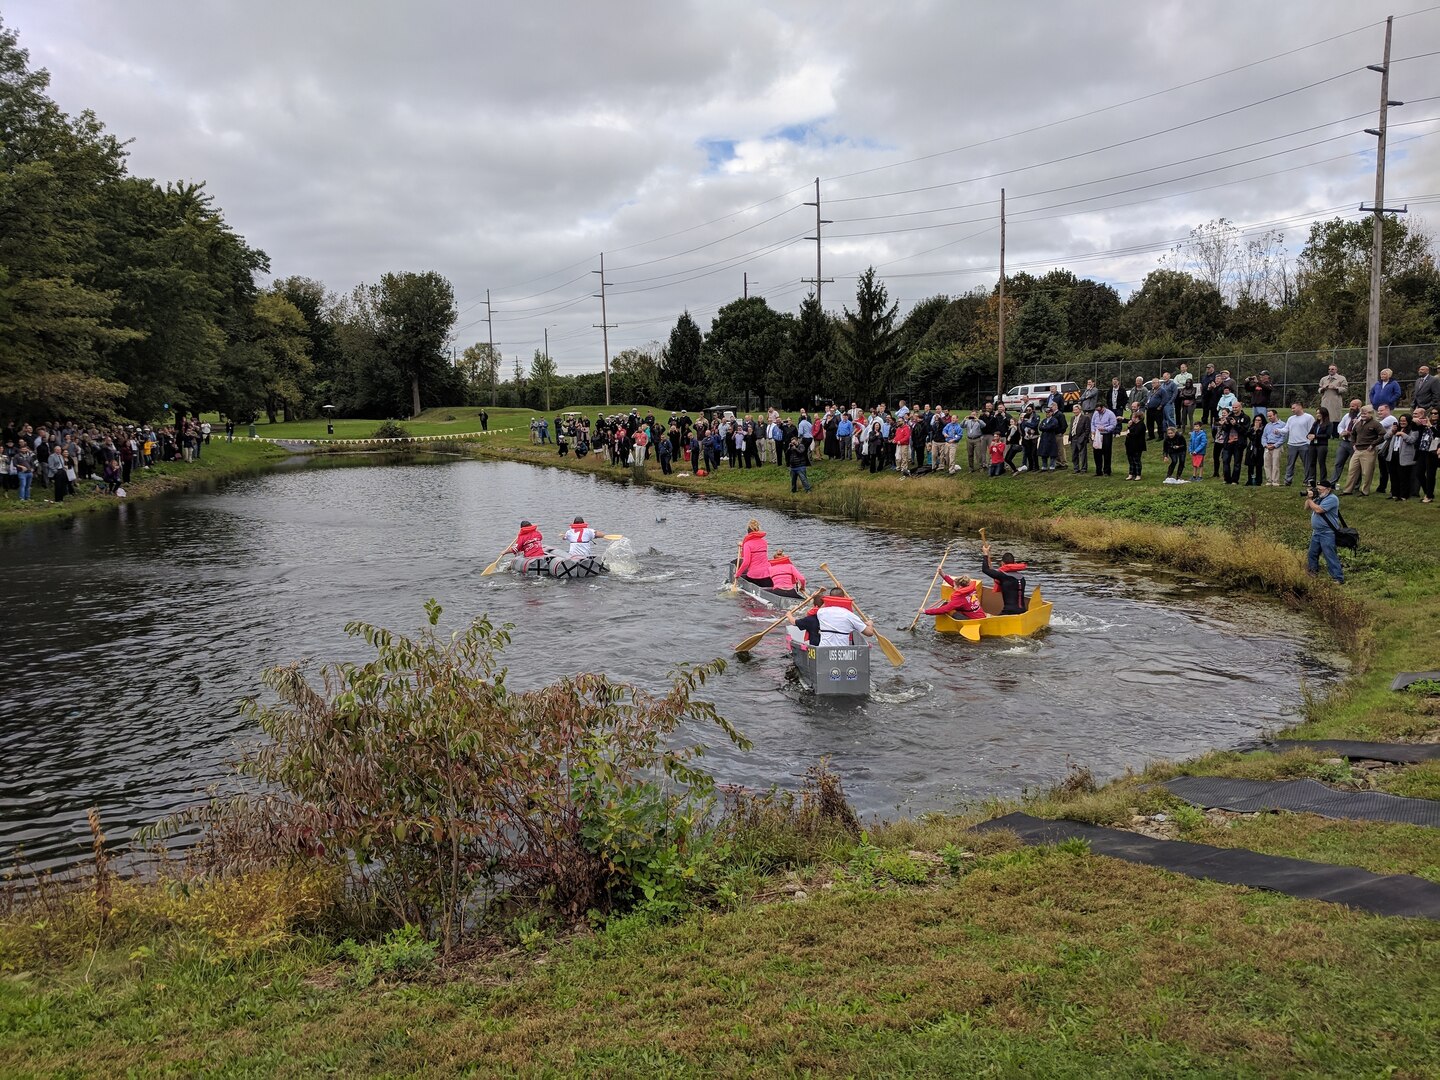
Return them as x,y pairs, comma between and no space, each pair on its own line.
1296,375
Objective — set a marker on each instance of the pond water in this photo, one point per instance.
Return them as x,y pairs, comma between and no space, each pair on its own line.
133,636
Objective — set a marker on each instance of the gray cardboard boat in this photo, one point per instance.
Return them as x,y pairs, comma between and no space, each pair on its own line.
830,670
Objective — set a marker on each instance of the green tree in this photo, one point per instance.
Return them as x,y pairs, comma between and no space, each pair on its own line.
1333,278
803,369
1171,302
317,305
635,375
53,319
480,371
1091,311
867,346
542,378
682,368
416,313
1041,332
746,342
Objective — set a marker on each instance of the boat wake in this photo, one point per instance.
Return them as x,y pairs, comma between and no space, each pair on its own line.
1078,620
900,694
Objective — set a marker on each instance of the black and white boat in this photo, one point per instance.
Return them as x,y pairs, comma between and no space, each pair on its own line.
552,564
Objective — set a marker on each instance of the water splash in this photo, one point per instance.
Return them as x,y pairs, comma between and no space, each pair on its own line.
620,558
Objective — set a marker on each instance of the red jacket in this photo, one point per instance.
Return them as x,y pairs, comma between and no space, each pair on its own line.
529,542
754,557
784,575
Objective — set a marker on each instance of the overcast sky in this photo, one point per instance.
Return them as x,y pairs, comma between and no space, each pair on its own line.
507,146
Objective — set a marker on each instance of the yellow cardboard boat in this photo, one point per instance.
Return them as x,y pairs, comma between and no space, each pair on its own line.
1035,617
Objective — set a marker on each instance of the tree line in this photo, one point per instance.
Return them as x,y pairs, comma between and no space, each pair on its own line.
122,297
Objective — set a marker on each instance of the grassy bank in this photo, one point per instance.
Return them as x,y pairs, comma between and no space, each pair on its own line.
218,461
920,949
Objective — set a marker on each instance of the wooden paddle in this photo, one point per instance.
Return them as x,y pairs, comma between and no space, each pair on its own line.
494,565
891,652
754,639
921,609
611,536
735,570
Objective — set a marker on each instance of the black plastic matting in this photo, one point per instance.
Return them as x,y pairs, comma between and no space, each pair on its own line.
1303,797
1395,753
1394,894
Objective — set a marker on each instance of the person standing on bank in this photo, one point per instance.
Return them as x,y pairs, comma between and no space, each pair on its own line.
1080,438
1299,435
1333,388
1426,392
1102,436
1135,443
1345,446
1324,507
797,456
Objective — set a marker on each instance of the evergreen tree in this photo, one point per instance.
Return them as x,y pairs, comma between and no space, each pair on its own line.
867,353
682,370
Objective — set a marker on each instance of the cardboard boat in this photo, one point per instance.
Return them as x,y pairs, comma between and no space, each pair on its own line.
1034,618
830,670
552,564
768,597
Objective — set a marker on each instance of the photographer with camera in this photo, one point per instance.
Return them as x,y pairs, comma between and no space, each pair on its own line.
1324,507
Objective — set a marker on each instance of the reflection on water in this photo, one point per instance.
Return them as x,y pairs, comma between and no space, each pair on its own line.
134,635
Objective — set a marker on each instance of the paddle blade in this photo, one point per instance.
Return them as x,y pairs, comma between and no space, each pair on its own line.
611,536
887,647
750,642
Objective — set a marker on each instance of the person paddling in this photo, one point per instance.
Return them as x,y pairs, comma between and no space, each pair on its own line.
785,577
833,618
528,542
964,602
1009,582
754,563
579,536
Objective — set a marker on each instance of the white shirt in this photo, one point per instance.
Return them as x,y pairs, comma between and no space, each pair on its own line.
579,540
1297,429
1346,423
837,624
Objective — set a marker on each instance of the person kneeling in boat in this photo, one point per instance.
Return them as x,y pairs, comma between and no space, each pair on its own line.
1009,583
754,562
528,542
964,602
579,536
785,577
833,618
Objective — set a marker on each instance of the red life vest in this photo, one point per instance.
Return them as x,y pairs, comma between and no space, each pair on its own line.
1009,568
835,601
529,542
964,602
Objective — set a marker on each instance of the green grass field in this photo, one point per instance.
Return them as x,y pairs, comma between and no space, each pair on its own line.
1027,962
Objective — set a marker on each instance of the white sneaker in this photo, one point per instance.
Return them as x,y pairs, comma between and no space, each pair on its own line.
1023,468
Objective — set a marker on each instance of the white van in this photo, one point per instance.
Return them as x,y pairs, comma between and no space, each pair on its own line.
1017,397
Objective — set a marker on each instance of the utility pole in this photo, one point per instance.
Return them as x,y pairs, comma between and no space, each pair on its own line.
746,294
493,360
1372,337
819,279
605,325
1000,366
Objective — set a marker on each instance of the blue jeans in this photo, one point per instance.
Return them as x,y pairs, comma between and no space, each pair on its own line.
1322,542
798,473
1170,415
26,479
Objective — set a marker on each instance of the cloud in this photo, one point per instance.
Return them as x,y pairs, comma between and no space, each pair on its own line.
507,146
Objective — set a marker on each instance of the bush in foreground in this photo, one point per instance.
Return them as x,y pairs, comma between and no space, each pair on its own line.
448,799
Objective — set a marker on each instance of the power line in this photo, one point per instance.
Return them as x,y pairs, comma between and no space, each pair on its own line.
1110,146
1109,108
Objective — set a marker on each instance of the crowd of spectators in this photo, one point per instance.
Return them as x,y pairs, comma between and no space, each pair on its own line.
52,460
1209,426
